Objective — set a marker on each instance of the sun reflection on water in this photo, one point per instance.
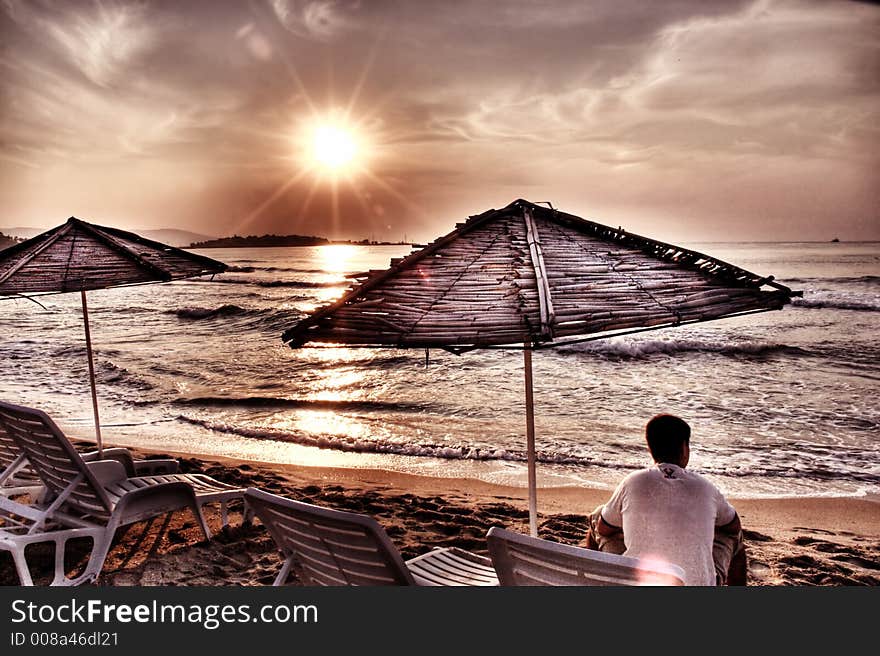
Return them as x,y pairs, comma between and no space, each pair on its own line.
326,422
333,385
323,354
336,258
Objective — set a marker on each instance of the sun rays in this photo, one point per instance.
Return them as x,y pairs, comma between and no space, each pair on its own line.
336,150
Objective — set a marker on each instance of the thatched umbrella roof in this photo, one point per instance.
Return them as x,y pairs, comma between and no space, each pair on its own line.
528,274
80,256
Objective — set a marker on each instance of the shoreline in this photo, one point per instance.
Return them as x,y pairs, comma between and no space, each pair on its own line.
556,492
432,467
861,511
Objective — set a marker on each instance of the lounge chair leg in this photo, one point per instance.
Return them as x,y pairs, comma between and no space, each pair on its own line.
24,574
97,555
200,518
285,570
224,516
103,542
59,576
96,561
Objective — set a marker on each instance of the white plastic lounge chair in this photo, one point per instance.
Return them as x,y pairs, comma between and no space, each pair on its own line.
95,495
521,560
17,477
332,547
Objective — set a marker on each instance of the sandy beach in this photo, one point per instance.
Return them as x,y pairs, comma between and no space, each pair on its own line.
791,541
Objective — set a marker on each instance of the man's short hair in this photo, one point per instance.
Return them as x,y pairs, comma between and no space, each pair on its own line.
667,435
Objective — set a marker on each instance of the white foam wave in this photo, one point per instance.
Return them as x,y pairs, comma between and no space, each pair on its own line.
632,349
355,445
823,301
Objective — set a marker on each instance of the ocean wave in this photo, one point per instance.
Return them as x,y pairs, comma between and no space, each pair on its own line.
866,280
818,469
310,404
272,320
634,350
245,268
130,309
109,372
833,303
293,270
448,452
210,313
80,350
299,284
266,319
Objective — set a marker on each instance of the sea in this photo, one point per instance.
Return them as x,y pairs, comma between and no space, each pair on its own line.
781,403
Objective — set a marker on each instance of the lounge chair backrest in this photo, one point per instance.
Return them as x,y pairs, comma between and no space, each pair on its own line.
9,450
53,458
330,547
523,560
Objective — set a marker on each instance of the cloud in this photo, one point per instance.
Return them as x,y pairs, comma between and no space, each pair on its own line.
256,43
100,39
685,108
775,78
102,81
315,19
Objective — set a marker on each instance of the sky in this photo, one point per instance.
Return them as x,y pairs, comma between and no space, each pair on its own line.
683,119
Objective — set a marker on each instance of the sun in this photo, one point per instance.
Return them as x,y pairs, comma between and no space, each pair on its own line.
333,147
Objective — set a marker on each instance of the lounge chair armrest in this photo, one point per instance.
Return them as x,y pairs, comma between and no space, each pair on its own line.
154,467
119,454
136,467
151,501
107,471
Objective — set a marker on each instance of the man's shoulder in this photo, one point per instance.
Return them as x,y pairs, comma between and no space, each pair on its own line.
639,476
696,476
704,483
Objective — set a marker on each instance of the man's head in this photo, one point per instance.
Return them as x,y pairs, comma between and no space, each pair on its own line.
669,439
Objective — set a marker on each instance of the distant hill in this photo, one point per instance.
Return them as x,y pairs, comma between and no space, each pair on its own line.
186,239
264,240
170,236
174,237
6,241
22,233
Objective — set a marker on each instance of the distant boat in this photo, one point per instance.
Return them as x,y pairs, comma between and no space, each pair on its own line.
835,241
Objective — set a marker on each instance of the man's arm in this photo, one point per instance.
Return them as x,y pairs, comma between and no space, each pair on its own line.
605,529
733,527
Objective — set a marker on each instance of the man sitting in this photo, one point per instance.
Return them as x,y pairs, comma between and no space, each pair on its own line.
668,513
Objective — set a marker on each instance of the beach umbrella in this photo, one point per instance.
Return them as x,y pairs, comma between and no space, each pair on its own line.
81,256
532,277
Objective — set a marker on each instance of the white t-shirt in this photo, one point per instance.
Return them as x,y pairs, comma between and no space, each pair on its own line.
668,513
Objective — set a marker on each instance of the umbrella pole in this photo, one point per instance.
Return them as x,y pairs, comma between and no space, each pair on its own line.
92,375
530,442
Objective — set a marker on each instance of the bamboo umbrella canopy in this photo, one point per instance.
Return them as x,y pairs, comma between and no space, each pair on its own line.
532,277
80,256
